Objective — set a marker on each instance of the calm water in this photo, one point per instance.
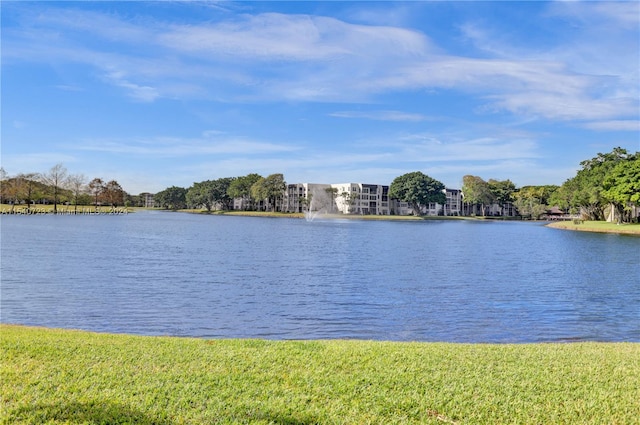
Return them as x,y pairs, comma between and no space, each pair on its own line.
157,273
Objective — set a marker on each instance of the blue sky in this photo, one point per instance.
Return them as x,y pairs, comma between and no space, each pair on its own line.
155,94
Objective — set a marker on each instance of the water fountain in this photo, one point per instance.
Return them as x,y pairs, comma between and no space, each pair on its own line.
311,215
318,203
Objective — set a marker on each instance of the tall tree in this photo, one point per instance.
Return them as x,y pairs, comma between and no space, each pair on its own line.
96,187
502,191
418,190
534,201
476,192
3,183
56,179
173,197
241,188
585,190
200,193
24,188
13,189
622,187
220,192
77,186
270,189
114,194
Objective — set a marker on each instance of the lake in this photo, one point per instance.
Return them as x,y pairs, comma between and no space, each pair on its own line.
162,273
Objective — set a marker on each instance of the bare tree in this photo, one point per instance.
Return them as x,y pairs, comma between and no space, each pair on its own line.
76,184
56,179
3,183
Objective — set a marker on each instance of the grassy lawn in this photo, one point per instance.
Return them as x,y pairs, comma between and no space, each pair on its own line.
598,226
60,376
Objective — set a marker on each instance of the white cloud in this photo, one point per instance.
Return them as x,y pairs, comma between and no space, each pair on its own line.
279,37
137,92
440,148
382,115
274,57
212,143
615,125
619,14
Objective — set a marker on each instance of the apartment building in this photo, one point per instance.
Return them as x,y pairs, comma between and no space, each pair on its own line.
342,198
146,200
301,197
361,198
452,207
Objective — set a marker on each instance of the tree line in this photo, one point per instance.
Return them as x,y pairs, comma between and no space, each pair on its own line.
606,187
57,186
252,191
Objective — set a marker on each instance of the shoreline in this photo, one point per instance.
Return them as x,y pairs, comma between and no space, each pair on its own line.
585,226
598,227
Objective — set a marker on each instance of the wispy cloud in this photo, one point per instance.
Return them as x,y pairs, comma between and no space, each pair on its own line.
273,56
615,125
137,92
211,143
383,115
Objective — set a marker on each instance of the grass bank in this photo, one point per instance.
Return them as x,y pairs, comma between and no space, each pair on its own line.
598,226
61,376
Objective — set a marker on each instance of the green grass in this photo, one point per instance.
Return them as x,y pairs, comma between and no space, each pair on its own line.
598,226
60,376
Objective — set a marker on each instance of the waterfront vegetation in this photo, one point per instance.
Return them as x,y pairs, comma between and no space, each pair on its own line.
63,376
606,187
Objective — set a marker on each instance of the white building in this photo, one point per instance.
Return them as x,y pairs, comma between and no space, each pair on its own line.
342,198
361,198
358,198
302,197
452,207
